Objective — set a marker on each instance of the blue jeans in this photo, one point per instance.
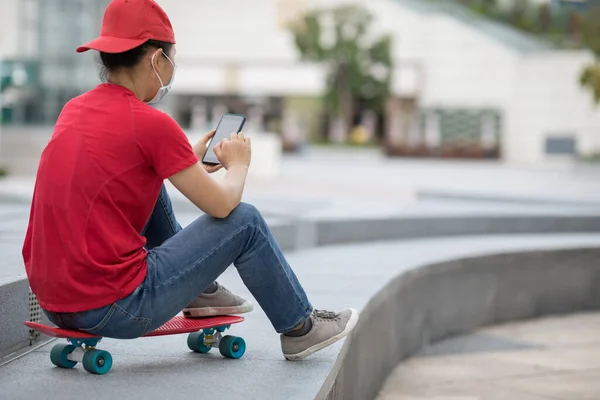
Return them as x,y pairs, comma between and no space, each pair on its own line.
184,262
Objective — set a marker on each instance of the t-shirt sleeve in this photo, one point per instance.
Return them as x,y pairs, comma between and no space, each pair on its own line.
164,145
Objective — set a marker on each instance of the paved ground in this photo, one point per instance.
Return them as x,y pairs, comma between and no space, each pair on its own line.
334,277
547,359
366,175
470,179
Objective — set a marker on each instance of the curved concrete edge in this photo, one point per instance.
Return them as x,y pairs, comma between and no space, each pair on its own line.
441,300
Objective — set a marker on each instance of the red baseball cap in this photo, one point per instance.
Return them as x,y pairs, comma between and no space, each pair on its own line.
128,24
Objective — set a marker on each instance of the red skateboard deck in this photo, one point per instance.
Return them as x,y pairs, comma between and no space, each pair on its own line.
204,334
177,325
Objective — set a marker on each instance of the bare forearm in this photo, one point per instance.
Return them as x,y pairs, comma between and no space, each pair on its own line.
234,183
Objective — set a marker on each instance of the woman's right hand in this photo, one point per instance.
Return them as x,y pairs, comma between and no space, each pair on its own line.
234,151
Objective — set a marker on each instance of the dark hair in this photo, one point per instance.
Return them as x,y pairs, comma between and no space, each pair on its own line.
130,58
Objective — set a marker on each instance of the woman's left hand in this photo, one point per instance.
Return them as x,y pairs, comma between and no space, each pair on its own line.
212,168
200,149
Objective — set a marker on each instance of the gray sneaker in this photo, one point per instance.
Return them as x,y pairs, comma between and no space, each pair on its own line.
328,327
221,302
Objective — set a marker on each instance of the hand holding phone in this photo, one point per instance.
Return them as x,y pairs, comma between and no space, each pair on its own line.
229,146
234,151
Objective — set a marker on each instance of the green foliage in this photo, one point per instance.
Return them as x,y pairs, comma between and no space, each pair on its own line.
358,67
594,158
564,26
544,18
3,171
308,38
590,79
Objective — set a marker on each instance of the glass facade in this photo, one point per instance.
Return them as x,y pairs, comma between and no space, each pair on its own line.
50,31
64,73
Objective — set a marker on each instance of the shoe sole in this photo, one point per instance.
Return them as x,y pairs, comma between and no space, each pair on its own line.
217,311
320,346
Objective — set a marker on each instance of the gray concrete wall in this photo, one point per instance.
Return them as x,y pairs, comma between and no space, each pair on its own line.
14,309
437,301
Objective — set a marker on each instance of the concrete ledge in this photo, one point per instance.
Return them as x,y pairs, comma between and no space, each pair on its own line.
440,300
14,309
371,229
441,195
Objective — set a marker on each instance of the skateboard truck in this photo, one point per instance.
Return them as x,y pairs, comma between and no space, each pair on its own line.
229,346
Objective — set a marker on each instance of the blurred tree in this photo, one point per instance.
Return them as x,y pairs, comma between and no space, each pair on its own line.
544,18
359,65
574,28
518,14
481,6
590,77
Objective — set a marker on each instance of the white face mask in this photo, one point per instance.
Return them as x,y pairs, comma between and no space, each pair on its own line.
164,89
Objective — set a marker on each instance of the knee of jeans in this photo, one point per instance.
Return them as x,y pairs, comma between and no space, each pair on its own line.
246,212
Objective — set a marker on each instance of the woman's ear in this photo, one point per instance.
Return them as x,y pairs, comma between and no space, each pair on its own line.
156,57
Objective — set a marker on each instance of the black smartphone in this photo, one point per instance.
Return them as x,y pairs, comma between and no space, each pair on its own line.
230,123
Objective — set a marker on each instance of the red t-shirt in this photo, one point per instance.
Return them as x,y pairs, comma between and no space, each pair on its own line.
97,183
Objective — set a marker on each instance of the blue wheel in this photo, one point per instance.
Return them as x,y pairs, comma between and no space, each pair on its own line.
97,362
58,355
196,344
232,347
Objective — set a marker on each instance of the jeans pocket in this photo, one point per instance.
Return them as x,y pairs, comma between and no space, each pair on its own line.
123,325
89,321
54,318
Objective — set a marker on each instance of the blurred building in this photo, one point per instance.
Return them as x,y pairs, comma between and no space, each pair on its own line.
38,64
239,56
463,85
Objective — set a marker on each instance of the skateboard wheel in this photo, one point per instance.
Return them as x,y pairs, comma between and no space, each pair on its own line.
195,342
97,361
232,347
59,353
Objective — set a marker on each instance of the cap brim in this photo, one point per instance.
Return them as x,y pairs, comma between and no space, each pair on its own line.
107,44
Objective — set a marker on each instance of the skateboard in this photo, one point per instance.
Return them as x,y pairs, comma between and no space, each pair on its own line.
204,334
